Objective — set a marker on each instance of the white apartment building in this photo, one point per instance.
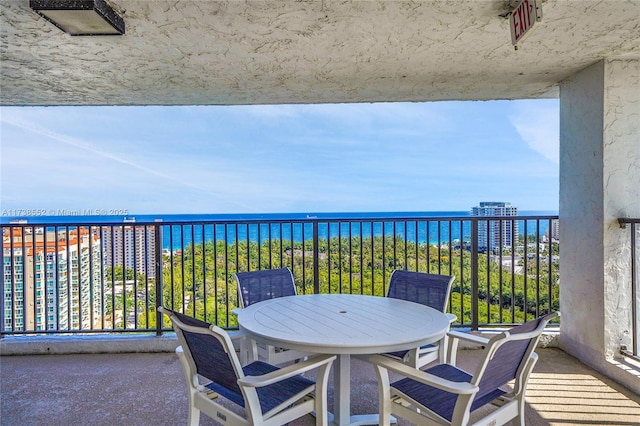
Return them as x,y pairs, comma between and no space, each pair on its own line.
495,233
553,232
51,281
130,246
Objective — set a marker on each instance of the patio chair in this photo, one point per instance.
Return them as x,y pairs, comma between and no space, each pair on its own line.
256,286
427,289
446,395
268,394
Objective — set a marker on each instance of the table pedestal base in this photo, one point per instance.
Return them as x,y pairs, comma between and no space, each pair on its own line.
342,397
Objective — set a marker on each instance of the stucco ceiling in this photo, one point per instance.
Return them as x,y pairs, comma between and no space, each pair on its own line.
193,52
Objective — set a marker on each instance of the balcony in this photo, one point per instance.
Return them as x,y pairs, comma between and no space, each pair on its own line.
501,279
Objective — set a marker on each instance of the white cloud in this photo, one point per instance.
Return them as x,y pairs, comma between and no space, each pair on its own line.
538,123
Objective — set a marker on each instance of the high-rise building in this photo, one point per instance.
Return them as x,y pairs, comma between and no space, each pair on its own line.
130,246
553,232
495,233
50,280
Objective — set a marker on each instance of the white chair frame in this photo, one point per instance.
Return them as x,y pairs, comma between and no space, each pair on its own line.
203,399
510,406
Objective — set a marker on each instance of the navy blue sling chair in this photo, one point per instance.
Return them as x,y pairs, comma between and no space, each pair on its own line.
268,394
427,289
447,395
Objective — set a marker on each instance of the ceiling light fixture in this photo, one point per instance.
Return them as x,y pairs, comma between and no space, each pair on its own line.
80,17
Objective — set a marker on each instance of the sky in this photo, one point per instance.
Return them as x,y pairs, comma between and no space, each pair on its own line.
380,157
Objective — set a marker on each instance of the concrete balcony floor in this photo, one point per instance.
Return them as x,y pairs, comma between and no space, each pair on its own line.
150,389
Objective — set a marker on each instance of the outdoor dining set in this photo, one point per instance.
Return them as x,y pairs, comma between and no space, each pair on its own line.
276,368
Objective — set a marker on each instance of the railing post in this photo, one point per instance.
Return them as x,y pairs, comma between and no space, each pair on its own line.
634,295
2,308
316,258
158,264
635,306
474,274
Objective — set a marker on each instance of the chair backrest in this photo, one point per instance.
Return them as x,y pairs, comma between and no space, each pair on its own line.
428,289
256,286
505,357
209,353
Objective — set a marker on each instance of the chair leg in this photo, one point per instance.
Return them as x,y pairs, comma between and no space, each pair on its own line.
321,403
412,358
194,416
528,369
442,349
452,350
194,413
251,350
384,396
518,420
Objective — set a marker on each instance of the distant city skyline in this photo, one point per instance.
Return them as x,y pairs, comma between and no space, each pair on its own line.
496,234
443,156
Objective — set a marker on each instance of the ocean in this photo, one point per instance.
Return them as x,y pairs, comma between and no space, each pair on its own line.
234,228
40,216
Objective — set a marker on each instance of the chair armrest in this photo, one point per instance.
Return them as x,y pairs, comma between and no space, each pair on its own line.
460,388
454,337
452,318
468,337
287,372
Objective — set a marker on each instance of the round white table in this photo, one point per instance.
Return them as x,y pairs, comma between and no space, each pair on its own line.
344,325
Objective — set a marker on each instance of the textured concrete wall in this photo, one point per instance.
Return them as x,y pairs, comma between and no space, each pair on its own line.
599,182
211,52
621,173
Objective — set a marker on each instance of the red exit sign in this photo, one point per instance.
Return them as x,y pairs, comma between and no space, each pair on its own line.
523,18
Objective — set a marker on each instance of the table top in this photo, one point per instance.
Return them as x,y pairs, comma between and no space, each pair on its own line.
342,323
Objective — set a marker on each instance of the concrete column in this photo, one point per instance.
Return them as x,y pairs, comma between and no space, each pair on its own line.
599,182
